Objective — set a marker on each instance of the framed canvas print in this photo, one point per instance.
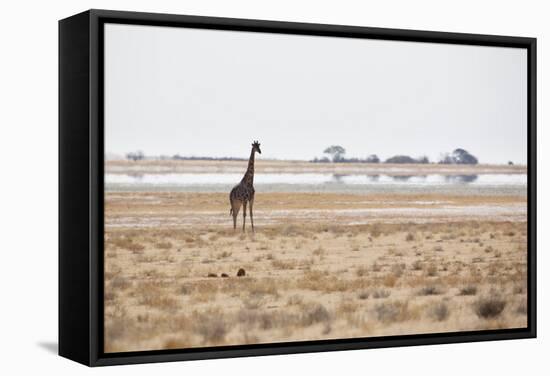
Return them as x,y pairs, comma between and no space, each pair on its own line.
234,187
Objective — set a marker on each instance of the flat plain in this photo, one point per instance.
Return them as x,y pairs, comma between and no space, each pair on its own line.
320,265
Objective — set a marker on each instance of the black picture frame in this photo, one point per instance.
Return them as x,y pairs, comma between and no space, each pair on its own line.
81,186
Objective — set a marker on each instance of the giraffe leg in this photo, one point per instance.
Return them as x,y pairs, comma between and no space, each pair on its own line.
251,215
244,214
236,206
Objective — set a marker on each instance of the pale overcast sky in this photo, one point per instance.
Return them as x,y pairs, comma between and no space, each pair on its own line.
210,93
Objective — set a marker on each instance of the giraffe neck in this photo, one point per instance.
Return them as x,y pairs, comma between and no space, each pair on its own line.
249,175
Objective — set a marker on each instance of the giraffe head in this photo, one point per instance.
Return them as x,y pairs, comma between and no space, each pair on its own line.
256,147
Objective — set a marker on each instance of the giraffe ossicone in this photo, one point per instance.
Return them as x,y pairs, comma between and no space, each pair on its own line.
243,193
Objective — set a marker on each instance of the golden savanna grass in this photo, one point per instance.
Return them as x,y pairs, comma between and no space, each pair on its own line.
308,276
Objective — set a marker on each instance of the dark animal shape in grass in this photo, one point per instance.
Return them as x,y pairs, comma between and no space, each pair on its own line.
241,273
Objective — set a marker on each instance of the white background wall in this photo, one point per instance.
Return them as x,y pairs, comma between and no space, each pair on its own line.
28,193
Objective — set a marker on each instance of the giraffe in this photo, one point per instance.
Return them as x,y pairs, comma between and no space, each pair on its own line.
243,193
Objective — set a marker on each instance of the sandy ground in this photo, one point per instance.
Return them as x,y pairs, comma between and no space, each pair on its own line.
319,266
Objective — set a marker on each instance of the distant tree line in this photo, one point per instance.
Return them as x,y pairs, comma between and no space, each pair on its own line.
178,157
139,155
336,154
135,156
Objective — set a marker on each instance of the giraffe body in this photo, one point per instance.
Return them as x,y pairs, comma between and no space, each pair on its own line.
243,193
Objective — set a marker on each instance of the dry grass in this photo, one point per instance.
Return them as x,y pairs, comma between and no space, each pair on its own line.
380,294
164,245
315,313
211,326
431,290
395,311
431,270
468,290
308,280
521,308
489,307
363,295
284,264
439,311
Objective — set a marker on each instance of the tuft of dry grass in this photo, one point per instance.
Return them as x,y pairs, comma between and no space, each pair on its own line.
468,290
521,308
375,231
160,302
315,313
254,302
284,264
439,311
319,251
380,293
361,271
430,290
431,270
295,300
263,287
164,245
211,326
398,269
489,307
363,295
519,289
224,254
390,280
186,289
390,312
292,230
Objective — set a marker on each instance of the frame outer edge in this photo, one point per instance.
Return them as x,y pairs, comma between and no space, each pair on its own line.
74,185
532,175
94,148
96,17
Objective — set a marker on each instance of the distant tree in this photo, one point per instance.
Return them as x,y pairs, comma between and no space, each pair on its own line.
337,152
373,158
510,163
458,156
135,156
423,160
400,159
461,156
